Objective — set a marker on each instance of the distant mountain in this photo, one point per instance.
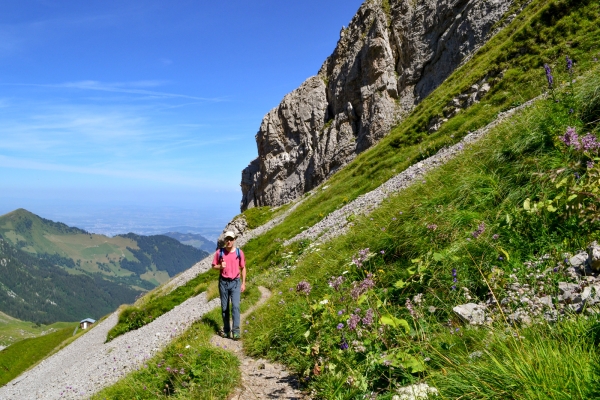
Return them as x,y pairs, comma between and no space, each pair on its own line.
139,262
36,290
193,239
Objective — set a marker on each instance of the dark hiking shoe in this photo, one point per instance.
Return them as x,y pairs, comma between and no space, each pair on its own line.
223,334
236,336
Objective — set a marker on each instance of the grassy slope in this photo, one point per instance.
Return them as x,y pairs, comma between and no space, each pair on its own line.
549,40
22,355
13,330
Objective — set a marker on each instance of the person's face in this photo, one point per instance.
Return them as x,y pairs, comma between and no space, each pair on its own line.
229,242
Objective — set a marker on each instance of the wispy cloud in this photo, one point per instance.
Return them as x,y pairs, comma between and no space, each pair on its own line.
122,87
124,171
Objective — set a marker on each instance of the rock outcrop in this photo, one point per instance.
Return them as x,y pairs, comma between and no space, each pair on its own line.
390,57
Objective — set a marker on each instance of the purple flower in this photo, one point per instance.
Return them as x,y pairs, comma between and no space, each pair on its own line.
340,312
571,139
353,321
336,283
453,287
454,272
362,256
360,288
549,75
382,251
590,164
589,142
569,65
344,345
495,236
479,231
410,308
432,227
340,326
368,319
304,287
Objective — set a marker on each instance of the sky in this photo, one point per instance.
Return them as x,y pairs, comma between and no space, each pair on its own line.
113,110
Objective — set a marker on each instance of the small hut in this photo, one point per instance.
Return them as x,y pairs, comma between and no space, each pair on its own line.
86,323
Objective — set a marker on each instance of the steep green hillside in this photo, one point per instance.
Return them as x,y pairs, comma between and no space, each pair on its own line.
36,290
13,330
141,262
22,355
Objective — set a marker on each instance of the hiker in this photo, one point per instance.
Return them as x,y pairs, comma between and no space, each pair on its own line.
231,263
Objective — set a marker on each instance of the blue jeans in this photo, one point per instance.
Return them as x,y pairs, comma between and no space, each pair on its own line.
230,290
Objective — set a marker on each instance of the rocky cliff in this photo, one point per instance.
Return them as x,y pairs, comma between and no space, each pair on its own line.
390,57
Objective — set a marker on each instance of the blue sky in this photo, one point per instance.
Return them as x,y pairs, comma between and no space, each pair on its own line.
147,104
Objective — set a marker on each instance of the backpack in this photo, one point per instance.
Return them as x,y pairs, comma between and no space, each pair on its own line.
237,253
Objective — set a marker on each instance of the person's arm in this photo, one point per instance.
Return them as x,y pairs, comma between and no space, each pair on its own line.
216,264
243,288
243,266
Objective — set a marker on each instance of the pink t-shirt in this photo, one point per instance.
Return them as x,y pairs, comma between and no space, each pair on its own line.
233,265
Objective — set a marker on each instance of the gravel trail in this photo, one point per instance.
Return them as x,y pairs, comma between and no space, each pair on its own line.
261,379
88,364
337,223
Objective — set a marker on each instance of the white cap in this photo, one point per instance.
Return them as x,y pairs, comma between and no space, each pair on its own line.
229,234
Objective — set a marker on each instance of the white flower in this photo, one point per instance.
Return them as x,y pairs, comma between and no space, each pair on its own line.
325,301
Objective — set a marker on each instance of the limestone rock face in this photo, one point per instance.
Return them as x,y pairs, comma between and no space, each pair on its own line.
386,61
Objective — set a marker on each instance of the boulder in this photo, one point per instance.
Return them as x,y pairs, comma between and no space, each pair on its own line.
593,252
471,313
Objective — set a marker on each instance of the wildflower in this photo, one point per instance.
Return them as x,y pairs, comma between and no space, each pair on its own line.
362,287
382,251
304,287
335,283
344,345
495,236
480,229
590,164
368,319
340,326
353,321
453,287
432,227
393,219
431,309
500,258
571,139
577,176
383,229
340,312
362,257
410,308
418,299
589,142
358,346
549,75
569,65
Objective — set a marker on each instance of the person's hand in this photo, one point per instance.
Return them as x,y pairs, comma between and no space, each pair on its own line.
222,265
243,288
